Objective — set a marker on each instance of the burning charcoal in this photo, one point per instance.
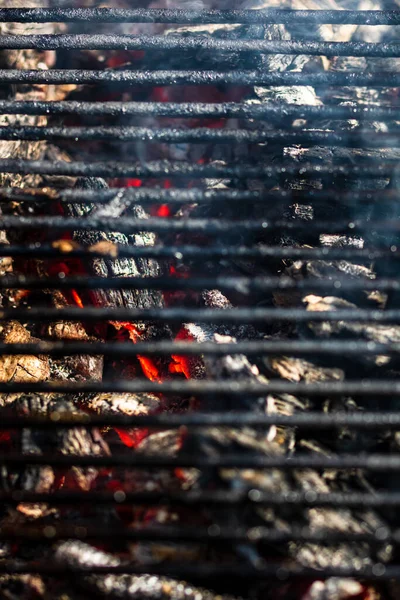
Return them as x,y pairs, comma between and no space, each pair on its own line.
300,270
78,441
123,267
127,405
336,520
22,587
162,552
20,368
83,366
124,404
5,261
227,60
215,299
287,94
221,441
339,33
374,332
234,368
191,366
24,59
164,443
297,369
126,587
334,589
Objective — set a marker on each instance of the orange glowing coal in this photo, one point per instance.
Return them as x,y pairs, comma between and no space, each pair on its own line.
149,368
132,437
77,298
181,364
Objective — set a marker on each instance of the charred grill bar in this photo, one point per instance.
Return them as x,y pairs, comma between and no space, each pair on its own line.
199,353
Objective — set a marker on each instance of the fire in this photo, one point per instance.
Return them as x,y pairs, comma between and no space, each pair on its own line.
77,298
64,267
20,295
149,368
132,437
163,211
135,183
181,364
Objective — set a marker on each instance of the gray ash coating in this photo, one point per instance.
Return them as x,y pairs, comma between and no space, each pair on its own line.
126,587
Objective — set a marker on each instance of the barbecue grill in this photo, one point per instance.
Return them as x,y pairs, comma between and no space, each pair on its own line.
187,445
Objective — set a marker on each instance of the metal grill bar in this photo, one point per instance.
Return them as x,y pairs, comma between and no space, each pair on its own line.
88,531
243,285
159,195
210,252
186,315
380,388
266,347
368,421
142,15
196,109
371,462
206,226
195,498
165,168
203,134
183,77
196,43
204,571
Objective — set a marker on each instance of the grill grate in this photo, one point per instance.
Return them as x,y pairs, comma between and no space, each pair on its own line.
350,185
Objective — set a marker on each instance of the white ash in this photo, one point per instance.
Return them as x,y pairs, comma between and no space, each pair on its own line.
333,589
126,587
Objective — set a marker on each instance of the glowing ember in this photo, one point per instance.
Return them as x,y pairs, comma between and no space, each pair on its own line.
135,183
161,94
63,267
181,364
77,298
120,58
132,437
149,368
163,211
21,295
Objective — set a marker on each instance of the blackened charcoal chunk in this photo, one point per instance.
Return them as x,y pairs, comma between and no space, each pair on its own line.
281,62
374,332
121,267
221,59
77,441
91,183
125,587
85,183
